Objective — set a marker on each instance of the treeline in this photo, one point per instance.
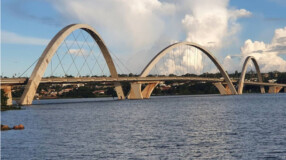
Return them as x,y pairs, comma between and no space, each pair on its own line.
185,88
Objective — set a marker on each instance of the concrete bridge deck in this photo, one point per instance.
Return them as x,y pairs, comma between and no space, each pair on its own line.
23,81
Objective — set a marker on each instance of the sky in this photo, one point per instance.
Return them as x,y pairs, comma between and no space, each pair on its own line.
136,30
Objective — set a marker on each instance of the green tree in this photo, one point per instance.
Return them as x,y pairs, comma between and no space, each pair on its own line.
281,78
110,91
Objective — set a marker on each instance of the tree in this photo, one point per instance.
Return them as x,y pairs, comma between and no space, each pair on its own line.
131,75
281,78
236,75
110,91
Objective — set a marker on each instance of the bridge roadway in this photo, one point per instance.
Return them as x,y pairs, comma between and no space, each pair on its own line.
23,81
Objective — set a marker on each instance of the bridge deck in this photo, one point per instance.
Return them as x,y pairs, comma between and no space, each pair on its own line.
22,81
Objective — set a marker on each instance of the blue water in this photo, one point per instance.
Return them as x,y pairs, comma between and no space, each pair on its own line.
250,126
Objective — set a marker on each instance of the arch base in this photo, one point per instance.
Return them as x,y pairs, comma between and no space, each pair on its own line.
223,90
135,91
119,91
274,89
147,91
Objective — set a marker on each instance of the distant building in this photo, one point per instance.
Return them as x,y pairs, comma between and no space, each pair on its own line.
175,84
65,90
80,85
272,80
66,84
98,92
254,79
164,88
162,84
53,94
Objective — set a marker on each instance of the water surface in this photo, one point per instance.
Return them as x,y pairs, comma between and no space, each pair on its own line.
249,126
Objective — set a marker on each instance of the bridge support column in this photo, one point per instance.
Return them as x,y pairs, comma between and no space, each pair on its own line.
262,89
285,89
8,92
223,90
135,91
119,91
148,90
274,89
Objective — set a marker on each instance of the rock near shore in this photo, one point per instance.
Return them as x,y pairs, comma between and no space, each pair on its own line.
5,127
17,127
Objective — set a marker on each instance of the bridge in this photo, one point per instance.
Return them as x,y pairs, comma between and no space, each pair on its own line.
225,85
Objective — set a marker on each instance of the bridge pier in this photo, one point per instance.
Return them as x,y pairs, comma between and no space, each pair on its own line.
119,91
223,90
275,89
8,91
262,89
285,89
135,91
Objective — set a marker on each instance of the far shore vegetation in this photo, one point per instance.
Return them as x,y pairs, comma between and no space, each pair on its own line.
92,89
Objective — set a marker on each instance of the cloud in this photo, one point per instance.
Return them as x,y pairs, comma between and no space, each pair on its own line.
267,54
78,52
211,23
181,61
128,24
22,10
14,38
144,27
239,13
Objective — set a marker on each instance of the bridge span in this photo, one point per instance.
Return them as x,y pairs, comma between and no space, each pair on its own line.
24,81
150,81
225,84
61,80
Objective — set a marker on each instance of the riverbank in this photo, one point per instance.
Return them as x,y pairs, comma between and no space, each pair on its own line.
6,108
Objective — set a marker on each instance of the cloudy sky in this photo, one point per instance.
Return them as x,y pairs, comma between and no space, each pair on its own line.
135,30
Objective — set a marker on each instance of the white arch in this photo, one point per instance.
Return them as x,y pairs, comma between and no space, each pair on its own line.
161,54
243,72
49,52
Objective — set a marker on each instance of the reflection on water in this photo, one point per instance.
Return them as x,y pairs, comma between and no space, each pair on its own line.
179,127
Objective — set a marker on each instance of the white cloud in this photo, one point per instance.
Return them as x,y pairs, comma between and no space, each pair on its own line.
212,23
146,26
13,38
239,13
128,24
267,55
78,52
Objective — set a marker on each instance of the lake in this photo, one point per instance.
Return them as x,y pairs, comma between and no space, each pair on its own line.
249,126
